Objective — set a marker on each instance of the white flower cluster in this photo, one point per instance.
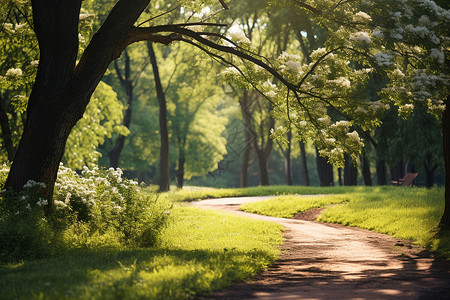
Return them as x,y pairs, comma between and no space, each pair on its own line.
238,35
360,37
14,73
341,81
362,17
437,55
383,59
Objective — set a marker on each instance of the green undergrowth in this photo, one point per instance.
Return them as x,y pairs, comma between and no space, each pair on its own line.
191,193
406,213
198,252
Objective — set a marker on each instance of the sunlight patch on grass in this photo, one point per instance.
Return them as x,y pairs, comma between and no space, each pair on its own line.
288,206
406,213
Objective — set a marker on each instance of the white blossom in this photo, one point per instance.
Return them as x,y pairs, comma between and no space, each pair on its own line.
42,202
341,81
14,72
383,59
360,37
284,56
293,65
354,136
362,17
238,35
438,55
378,33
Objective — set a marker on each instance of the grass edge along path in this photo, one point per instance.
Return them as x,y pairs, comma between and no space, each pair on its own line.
199,252
405,213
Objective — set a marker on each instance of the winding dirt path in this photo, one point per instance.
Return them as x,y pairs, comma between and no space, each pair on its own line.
326,261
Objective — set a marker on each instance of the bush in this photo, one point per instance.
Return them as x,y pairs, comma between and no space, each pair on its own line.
97,208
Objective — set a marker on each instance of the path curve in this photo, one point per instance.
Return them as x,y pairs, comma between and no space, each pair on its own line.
327,261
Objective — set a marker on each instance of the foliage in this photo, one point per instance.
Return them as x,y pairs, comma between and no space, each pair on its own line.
21,55
96,208
404,46
102,118
200,251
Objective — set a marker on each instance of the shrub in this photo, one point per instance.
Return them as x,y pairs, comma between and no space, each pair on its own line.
95,208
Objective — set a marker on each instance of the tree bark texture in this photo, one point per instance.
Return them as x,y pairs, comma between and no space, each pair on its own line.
180,170
6,132
325,170
164,167
288,160
350,171
244,103
381,172
444,224
430,169
127,84
62,88
366,170
263,150
305,173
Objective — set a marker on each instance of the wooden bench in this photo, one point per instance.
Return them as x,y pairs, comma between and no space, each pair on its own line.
405,181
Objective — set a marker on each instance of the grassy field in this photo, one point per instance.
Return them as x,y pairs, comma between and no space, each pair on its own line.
406,213
191,193
199,251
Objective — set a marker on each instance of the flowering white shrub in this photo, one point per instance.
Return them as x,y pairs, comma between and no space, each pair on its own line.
94,208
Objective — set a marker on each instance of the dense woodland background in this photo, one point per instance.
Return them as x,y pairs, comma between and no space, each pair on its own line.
218,132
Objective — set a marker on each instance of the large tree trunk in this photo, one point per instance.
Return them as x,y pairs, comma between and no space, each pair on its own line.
444,224
164,169
6,132
350,171
62,91
305,173
127,84
325,170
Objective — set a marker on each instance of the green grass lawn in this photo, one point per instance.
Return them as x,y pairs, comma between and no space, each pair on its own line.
200,251
191,193
406,213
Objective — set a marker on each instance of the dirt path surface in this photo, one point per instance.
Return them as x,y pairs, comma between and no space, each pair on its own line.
325,261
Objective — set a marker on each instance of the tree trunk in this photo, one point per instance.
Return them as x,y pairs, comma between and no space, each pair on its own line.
263,151
381,172
366,170
288,160
6,132
444,224
245,163
244,103
350,171
127,84
305,173
340,176
180,170
62,88
164,169
325,170
263,165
